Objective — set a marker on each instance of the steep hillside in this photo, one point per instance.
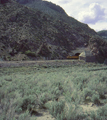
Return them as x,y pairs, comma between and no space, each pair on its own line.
27,33
57,13
103,34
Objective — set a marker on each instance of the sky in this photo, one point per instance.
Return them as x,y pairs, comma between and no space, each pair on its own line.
91,12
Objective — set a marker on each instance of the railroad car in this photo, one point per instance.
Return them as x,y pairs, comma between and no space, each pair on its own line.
76,56
73,57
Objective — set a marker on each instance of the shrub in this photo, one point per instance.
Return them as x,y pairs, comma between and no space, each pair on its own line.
64,111
26,103
95,99
87,93
100,114
43,98
7,110
29,53
57,109
57,89
54,55
24,116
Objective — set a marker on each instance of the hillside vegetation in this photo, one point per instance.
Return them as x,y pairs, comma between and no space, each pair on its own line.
66,92
103,34
38,29
57,13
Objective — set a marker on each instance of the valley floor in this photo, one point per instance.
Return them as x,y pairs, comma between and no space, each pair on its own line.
53,90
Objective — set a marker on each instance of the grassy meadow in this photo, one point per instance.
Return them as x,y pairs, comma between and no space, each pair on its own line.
67,92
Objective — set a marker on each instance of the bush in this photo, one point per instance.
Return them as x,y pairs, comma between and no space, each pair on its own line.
64,111
43,98
100,114
26,103
7,110
29,53
87,93
57,110
95,99
24,116
57,89
54,55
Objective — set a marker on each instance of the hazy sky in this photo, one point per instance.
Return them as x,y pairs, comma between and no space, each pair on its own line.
91,12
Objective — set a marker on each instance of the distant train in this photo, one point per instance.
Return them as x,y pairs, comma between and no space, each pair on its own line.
76,56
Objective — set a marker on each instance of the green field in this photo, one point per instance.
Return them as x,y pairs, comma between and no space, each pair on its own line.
69,92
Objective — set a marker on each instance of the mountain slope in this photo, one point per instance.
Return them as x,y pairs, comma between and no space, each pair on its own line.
44,6
103,34
27,33
57,13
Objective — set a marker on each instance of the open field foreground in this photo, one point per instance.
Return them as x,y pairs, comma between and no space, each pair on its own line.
53,92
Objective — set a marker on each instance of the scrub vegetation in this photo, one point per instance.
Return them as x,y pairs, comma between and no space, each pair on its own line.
103,34
67,92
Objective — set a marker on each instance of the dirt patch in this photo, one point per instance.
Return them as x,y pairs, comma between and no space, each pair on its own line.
45,116
89,107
